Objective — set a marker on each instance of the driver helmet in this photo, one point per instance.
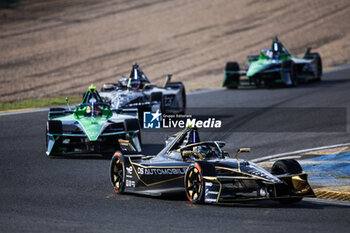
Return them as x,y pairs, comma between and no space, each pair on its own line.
123,81
272,54
97,110
208,151
134,84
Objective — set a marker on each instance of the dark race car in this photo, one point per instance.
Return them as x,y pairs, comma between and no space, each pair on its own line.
138,92
273,66
206,173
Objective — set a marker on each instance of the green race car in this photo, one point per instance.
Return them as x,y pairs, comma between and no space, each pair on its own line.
273,66
92,128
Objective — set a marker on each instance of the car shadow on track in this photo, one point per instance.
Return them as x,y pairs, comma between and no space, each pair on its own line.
302,84
307,203
325,83
147,149
271,204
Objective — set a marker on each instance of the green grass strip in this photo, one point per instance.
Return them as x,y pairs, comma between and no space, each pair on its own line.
39,103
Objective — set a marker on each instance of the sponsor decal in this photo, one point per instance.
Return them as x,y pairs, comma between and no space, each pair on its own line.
130,183
164,171
140,171
129,170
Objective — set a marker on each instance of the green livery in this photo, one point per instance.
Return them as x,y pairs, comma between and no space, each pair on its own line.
92,128
275,65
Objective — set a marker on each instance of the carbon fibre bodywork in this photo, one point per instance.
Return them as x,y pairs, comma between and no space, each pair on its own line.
138,92
220,177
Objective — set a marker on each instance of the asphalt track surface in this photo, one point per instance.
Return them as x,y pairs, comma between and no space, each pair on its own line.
73,194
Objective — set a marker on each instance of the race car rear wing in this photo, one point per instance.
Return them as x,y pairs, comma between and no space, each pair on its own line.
240,72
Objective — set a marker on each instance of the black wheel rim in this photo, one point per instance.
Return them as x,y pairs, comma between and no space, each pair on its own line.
117,174
194,184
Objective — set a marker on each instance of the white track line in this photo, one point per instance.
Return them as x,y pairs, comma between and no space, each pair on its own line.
24,111
204,91
297,152
340,68
327,201
47,109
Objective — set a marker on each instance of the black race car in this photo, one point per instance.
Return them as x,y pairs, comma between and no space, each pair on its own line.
138,92
206,173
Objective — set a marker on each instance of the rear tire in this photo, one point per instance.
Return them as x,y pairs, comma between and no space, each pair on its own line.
179,85
183,95
56,112
231,75
56,109
158,97
319,67
287,166
132,125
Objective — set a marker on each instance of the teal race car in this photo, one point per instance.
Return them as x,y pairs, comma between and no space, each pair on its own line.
92,128
274,66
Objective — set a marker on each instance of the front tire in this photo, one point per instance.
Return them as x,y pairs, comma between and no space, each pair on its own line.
289,65
232,77
117,172
47,141
52,128
194,184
